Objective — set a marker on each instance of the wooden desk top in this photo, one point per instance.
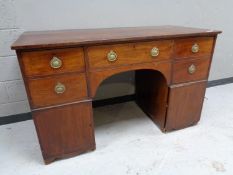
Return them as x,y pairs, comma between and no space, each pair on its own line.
81,37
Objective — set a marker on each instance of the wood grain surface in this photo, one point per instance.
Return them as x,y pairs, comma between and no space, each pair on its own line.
151,96
37,63
42,90
183,47
65,131
185,104
97,77
130,53
80,37
180,70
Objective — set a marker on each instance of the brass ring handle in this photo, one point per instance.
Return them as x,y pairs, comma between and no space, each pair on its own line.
154,52
112,56
195,48
59,88
55,63
192,69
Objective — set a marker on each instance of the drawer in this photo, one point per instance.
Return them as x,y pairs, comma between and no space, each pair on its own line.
190,70
49,62
131,53
57,89
193,47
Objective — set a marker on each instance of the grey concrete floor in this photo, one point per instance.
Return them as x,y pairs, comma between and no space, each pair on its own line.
129,143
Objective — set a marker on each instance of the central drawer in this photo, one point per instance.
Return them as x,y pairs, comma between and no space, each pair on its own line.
57,89
130,53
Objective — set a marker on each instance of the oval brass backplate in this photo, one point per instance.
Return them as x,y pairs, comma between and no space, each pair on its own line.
192,69
59,88
55,63
112,56
195,48
154,52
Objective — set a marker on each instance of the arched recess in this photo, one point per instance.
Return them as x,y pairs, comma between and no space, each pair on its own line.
151,87
97,77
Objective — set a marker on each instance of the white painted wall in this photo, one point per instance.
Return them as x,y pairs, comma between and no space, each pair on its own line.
17,16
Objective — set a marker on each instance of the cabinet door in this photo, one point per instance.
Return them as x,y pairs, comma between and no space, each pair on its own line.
185,105
65,131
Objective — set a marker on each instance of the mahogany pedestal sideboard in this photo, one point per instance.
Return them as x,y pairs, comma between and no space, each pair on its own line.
63,69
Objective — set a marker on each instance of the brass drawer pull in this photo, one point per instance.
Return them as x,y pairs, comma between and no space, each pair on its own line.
112,56
154,52
60,88
192,69
195,48
55,63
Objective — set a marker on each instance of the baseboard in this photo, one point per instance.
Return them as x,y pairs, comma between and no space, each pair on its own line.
220,82
98,103
114,100
15,118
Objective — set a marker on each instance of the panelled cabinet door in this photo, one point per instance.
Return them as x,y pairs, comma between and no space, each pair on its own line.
65,131
185,104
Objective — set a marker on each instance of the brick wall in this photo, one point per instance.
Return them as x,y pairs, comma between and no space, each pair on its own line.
17,16
13,99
